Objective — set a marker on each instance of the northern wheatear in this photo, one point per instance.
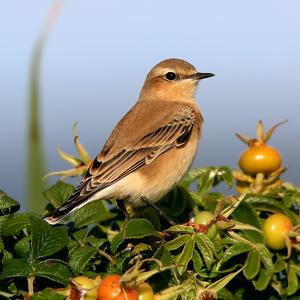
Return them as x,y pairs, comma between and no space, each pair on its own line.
153,145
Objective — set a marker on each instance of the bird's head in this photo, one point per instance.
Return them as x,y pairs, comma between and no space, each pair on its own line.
172,79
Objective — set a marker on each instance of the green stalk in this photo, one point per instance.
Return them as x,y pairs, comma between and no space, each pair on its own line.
35,153
35,156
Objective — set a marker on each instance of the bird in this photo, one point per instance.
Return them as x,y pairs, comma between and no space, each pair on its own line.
151,148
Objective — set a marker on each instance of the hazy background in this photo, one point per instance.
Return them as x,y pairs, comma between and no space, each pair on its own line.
99,52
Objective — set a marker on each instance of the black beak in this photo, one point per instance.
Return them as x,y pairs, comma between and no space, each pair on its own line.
199,76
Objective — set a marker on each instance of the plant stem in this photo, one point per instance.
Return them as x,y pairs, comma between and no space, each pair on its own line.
35,157
30,281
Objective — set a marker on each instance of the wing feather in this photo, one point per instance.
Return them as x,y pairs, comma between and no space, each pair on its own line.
111,166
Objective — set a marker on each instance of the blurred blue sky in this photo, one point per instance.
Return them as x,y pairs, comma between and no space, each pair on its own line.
99,53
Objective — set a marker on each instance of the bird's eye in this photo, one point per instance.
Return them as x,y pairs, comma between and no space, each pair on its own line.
171,76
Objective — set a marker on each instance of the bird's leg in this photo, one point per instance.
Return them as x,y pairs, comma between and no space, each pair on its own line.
122,207
158,210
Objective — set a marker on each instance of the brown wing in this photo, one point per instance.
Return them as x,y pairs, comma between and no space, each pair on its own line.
137,141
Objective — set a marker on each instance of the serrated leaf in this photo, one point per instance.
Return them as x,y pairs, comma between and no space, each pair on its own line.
2,221
227,176
47,294
191,176
206,248
46,240
266,258
54,270
221,283
235,250
205,181
180,229
116,242
72,246
197,261
270,204
246,214
252,264
1,244
177,242
226,294
6,256
279,264
82,234
91,213
7,204
59,193
79,258
164,256
96,242
263,279
16,267
15,224
293,282
22,247
138,228
185,256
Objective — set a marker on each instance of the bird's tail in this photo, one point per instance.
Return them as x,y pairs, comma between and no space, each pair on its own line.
67,208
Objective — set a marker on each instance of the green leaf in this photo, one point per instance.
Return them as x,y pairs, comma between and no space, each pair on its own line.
279,265
206,248
178,202
22,247
96,242
116,242
246,214
2,221
46,240
266,258
7,204
1,244
197,261
138,228
164,256
191,176
79,258
91,213
235,250
205,181
263,280
271,204
177,242
185,256
82,234
293,282
225,294
47,294
59,193
227,176
16,267
252,264
212,176
15,224
6,256
180,229
54,270
221,283
150,214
